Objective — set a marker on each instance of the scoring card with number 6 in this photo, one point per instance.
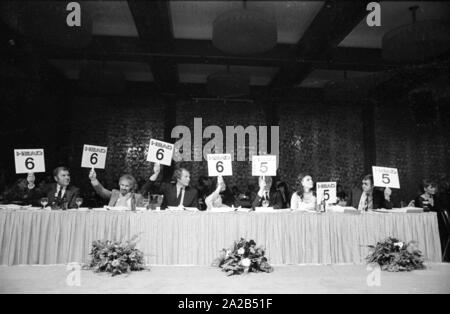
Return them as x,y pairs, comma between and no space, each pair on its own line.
264,165
219,165
94,157
385,177
160,152
29,160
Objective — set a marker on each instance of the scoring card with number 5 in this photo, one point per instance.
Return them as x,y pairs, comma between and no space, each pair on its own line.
94,157
264,165
160,152
29,160
219,165
385,177
326,191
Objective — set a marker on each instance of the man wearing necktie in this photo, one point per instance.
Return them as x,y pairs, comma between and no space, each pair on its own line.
177,193
267,197
370,198
61,194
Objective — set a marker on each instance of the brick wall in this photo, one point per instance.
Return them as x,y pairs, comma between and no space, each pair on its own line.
322,138
418,150
124,125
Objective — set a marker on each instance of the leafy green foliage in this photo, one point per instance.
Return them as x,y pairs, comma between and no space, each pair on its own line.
243,257
116,257
394,255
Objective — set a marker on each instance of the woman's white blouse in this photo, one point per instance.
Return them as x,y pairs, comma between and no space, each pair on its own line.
307,203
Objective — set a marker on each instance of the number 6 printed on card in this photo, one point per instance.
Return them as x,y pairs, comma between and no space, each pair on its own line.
94,157
29,160
160,152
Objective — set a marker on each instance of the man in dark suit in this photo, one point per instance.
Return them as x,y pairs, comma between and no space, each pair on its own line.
370,198
61,195
265,195
177,193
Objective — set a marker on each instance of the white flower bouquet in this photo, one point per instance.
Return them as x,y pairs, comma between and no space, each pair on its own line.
242,258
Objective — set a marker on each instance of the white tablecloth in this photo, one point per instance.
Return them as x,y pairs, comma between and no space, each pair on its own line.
195,238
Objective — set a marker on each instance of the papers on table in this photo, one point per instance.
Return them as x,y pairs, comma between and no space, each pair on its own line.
341,209
222,210
243,209
181,208
400,210
117,208
191,209
101,209
15,206
264,209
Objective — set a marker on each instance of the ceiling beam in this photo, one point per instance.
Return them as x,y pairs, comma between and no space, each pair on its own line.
131,49
154,26
20,57
330,26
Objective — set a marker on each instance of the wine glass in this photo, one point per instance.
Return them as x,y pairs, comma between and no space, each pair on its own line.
78,201
44,202
265,203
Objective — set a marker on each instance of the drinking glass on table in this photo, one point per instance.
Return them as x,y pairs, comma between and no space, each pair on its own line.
44,202
265,203
78,201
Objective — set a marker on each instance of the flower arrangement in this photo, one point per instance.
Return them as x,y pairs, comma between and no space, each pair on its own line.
116,257
394,255
242,258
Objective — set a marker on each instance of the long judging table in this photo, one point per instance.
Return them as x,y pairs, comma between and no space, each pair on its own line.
195,238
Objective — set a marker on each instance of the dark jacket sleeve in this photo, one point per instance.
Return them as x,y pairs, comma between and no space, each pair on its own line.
380,202
195,198
256,202
75,193
277,201
151,187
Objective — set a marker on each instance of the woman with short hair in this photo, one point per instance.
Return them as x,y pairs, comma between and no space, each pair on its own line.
426,200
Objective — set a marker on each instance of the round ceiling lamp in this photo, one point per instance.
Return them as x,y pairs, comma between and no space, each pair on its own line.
45,21
416,42
228,84
244,31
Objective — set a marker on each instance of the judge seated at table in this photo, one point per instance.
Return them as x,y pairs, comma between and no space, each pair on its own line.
221,197
177,193
370,198
125,197
61,194
426,199
267,197
20,193
304,198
